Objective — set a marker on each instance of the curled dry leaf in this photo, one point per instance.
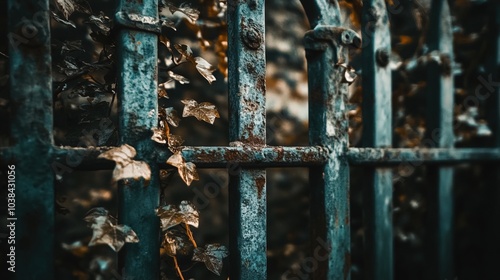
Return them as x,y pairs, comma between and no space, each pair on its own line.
187,170
204,111
185,51
176,243
126,167
205,68
191,13
107,231
172,117
211,255
181,79
349,73
171,215
159,136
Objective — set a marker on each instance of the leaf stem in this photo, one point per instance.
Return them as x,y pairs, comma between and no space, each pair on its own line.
178,268
190,235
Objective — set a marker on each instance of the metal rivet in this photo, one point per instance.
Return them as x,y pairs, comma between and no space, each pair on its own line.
382,57
251,37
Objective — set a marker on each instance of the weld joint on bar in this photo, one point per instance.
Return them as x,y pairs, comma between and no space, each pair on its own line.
322,35
138,22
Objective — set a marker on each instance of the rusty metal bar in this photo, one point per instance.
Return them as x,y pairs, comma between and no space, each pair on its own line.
31,213
247,124
439,133
326,47
416,157
377,133
138,114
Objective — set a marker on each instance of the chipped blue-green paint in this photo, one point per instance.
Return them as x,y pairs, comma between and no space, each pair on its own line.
326,45
439,133
137,101
377,132
31,131
416,157
247,124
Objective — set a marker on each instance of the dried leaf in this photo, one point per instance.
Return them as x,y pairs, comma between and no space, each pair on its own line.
206,69
177,77
211,255
66,7
174,141
191,13
165,41
102,23
187,170
176,243
162,88
68,46
159,136
126,167
106,230
166,22
172,117
57,18
185,51
171,215
204,111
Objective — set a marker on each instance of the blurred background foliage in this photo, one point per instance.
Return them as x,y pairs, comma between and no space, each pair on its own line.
84,97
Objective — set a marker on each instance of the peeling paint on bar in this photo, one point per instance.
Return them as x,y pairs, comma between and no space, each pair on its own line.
377,132
31,129
137,94
326,46
247,124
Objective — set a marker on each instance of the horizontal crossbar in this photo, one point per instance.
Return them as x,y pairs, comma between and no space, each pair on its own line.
392,156
275,156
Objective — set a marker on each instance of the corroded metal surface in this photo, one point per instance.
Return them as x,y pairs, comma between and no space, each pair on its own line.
326,47
138,114
31,130
247,124
377,133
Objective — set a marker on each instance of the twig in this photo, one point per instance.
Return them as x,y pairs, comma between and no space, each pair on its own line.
190,235
178,268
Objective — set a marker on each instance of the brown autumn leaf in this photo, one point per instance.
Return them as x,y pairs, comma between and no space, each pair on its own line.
205,69
211,255
204,111
184,8
125,166
172,117
162,88
187,170
174,141
107,231
171,215
185,51
181,79
176,243
159,135
66,7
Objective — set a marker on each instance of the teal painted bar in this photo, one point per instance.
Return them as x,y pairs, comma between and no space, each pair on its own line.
439,133
247,124
377,133
31,130
137,101
326,45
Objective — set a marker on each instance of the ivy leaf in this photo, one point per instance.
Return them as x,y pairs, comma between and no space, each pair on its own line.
177,77
171,215
159,136
166,22
107,231
205,68
172,117
162,88
66,7
185,51
191,13
176,243
57,18
126,167
187,170
174,141
204,111
211,255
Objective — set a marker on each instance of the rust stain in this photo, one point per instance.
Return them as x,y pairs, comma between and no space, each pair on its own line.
347,264
260,182
281,154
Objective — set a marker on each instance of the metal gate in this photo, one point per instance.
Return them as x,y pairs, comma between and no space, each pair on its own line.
328,156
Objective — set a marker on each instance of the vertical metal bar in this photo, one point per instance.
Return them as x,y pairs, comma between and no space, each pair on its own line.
31,96
377,133
490,87
247,86
439,133
138,105
326,46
